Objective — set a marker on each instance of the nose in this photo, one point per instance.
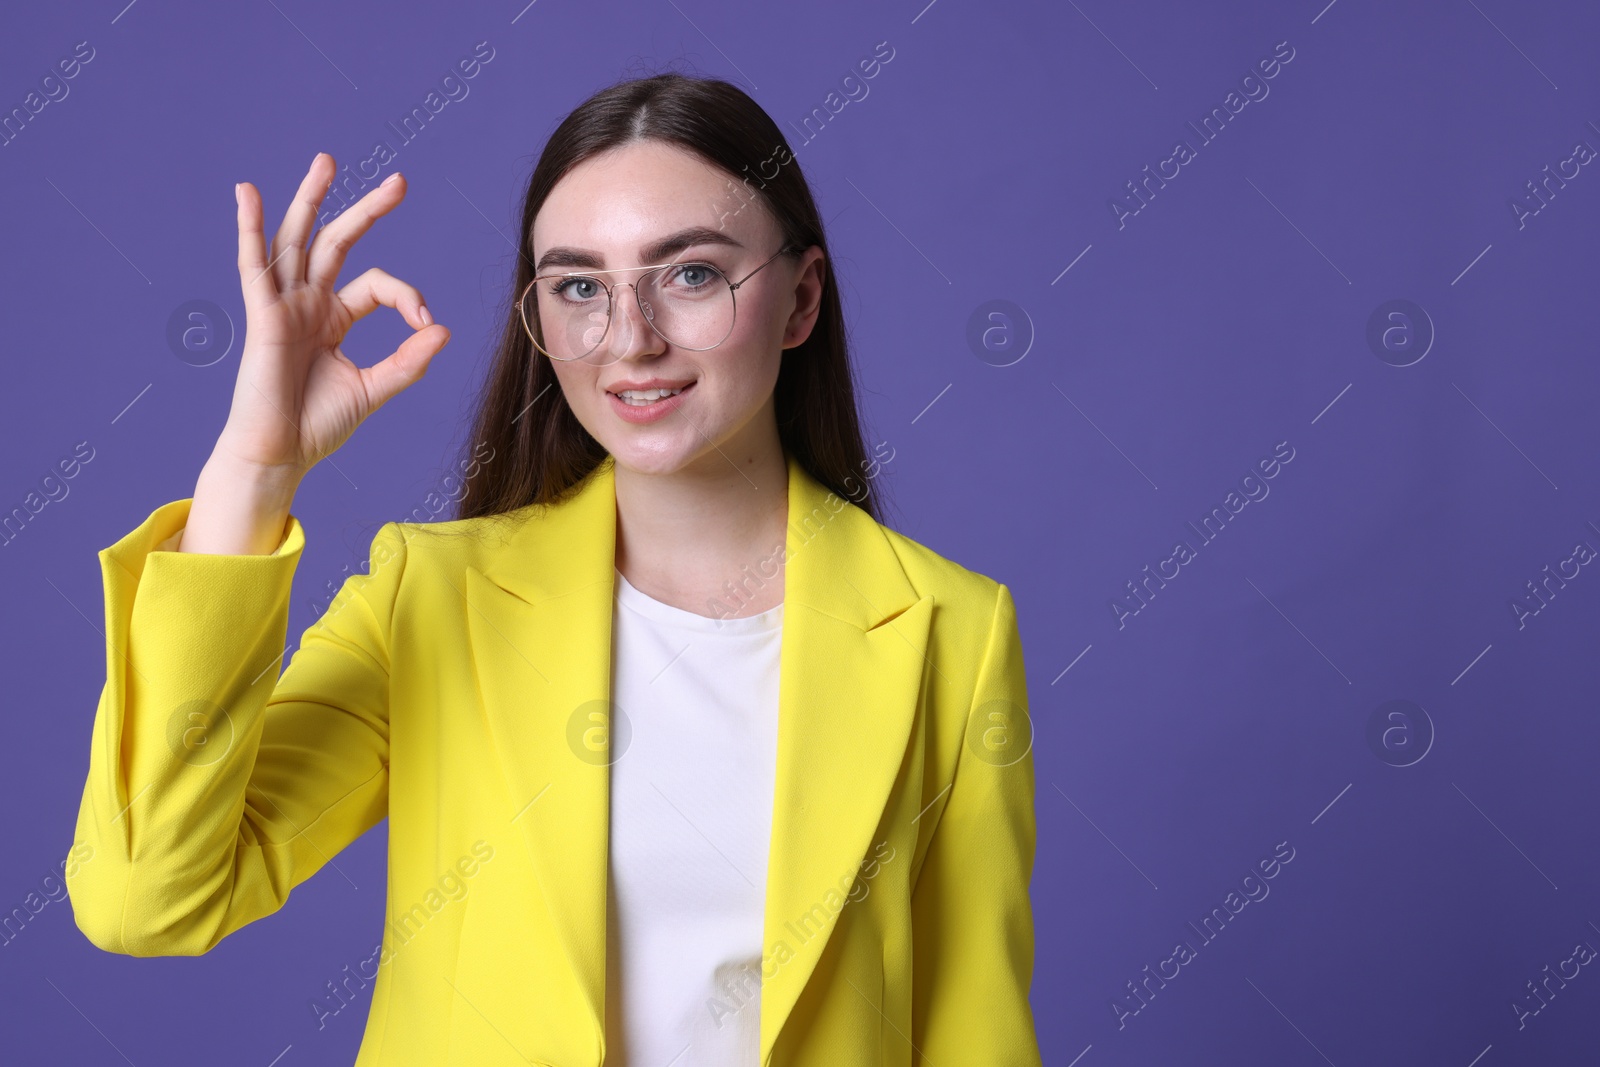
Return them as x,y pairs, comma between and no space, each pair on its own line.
631,336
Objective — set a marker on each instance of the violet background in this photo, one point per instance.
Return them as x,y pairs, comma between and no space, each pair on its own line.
1230,314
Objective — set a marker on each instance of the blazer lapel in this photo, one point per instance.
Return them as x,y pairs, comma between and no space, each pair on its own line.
851,666
539,621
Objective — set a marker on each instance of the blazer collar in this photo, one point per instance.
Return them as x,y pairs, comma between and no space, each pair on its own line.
851,668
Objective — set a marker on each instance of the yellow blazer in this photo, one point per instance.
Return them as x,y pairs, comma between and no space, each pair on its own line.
460,688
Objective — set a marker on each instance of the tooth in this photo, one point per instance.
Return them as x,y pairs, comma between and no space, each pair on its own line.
647,395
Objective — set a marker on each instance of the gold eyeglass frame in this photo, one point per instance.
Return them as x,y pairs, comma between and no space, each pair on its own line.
611,300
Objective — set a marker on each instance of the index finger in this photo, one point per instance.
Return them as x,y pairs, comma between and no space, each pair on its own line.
260,288
334,241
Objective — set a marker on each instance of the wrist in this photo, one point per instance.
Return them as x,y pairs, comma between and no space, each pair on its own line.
238,508
272,486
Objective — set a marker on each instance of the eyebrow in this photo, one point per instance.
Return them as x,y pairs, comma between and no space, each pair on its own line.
655,252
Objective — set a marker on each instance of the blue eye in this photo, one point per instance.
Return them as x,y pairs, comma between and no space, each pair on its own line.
695,277
589,288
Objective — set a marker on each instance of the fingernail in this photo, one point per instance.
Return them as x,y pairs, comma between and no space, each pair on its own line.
390,179
238,192
422,313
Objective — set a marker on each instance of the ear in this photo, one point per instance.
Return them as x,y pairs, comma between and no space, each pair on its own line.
809,281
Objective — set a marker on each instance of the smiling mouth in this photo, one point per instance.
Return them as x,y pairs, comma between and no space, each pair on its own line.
643,398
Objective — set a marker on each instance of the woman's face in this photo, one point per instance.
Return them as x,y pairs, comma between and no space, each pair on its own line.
605,214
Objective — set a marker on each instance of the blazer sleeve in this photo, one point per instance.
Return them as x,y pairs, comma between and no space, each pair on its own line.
972,922
215,786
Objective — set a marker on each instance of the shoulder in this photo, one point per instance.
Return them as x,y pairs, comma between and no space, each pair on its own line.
963,596
448,545
460,536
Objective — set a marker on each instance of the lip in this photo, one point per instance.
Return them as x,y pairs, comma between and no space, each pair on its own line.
651,412
650,383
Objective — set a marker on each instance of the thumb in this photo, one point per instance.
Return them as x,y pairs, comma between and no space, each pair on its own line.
393,374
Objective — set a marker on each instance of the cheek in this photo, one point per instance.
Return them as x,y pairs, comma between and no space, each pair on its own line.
759,322
748,372
578,383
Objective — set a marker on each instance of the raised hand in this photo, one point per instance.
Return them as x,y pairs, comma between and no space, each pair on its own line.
297,397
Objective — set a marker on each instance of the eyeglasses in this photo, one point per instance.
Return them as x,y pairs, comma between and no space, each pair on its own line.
690,305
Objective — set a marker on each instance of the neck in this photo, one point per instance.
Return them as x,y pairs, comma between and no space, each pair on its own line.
709,537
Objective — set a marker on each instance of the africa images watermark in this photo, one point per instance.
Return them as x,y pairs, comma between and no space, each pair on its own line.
1540,193
1252,889
855,91
805,528
53,485
1254,489
1525,1007
1254,88
346,189
744,986
52,90
449,888
1542,591
52,889
452,487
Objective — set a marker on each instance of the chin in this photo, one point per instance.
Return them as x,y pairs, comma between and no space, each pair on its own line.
657,457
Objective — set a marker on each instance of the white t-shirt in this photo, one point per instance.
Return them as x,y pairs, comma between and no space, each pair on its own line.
691,820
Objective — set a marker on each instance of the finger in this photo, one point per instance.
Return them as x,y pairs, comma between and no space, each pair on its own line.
289,243
404,366
254,278
329,247
375,288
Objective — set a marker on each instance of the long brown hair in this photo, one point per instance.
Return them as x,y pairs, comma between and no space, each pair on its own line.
538,450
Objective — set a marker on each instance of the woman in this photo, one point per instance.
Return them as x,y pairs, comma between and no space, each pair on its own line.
618,831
